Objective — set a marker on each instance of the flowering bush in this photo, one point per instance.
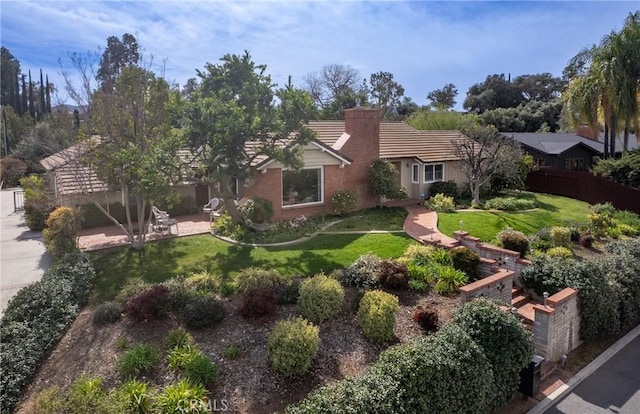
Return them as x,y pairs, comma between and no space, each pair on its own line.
343,202
298,221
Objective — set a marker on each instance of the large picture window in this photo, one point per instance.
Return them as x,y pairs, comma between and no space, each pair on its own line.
301,187
433,172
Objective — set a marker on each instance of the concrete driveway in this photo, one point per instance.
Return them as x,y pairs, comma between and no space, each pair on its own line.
23,258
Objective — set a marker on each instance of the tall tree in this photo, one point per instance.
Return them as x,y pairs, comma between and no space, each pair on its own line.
9,72
483,153
331,82
542,87
118,55
32,106
43,102
495,92
137,149
604,84
428,119
48,95
444,98
83,66
234,120
385,93
25,100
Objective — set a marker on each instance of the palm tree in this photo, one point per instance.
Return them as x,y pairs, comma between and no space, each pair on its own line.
605,83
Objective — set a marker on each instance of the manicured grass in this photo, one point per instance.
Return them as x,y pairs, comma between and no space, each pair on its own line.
164,259
385,218
552,211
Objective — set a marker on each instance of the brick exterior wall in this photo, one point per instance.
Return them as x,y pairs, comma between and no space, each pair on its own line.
556,326
363,147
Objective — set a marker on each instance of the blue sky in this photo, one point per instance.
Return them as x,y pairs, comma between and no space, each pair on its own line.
424,44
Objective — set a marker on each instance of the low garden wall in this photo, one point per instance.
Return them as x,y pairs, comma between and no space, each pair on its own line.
556,326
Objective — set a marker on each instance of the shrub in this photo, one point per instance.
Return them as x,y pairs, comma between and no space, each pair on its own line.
233,352
254,278
181,292
427,318
449,280
289,291
343,202
394,275
200,369
514,240
363,272
11,171
292,345
560,251
586,239
447,188
107,312
86,395
377,315
417,253
561,236
36,205
258,303
320,298
179,356
541,241
465,260
507,345
441,203
36,318
509,204
258,210
419,286
141,359
442,373
49,401
440,256
60,232
178,338
136,396
203,312
132,288
151,304
204,281
182,397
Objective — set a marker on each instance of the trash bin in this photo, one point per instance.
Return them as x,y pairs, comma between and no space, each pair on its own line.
530,377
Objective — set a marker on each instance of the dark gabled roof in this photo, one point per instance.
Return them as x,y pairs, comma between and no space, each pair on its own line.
554,143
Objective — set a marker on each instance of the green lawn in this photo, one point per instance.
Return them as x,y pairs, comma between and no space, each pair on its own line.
164,259
387,219
552,211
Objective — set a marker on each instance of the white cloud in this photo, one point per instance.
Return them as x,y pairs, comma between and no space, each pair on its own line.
424,44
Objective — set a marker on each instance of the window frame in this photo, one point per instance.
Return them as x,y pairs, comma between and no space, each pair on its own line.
313,203
433,171
415,173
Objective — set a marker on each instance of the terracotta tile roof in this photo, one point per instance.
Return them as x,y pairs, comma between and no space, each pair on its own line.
397,140
400,140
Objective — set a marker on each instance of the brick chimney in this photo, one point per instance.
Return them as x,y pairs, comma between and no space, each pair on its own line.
362,147
587,132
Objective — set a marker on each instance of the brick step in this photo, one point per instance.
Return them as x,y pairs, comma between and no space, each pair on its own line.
520,299
515,291
526,312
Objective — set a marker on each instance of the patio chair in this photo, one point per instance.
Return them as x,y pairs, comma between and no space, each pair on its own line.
162,222
214,208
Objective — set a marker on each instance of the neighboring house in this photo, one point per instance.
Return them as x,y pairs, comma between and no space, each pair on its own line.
564,151
576,151
337,159
340,156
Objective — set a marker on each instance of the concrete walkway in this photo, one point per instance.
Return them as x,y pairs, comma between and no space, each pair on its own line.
422,225
23,258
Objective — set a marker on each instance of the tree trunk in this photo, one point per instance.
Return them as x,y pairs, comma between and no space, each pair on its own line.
625,142
613,132
606,140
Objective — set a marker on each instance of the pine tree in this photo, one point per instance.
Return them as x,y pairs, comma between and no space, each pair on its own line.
48,94
43,105
32,109
24,95
18,98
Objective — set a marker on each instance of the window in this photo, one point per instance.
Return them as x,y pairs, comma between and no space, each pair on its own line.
433,172
302,187
415,171
573,164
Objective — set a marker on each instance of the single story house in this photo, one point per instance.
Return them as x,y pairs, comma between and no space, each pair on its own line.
576,151
337,159
340,156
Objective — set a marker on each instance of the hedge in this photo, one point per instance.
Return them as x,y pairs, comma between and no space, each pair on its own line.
35,320
448,372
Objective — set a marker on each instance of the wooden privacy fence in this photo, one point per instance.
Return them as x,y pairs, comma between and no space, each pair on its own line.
584,186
